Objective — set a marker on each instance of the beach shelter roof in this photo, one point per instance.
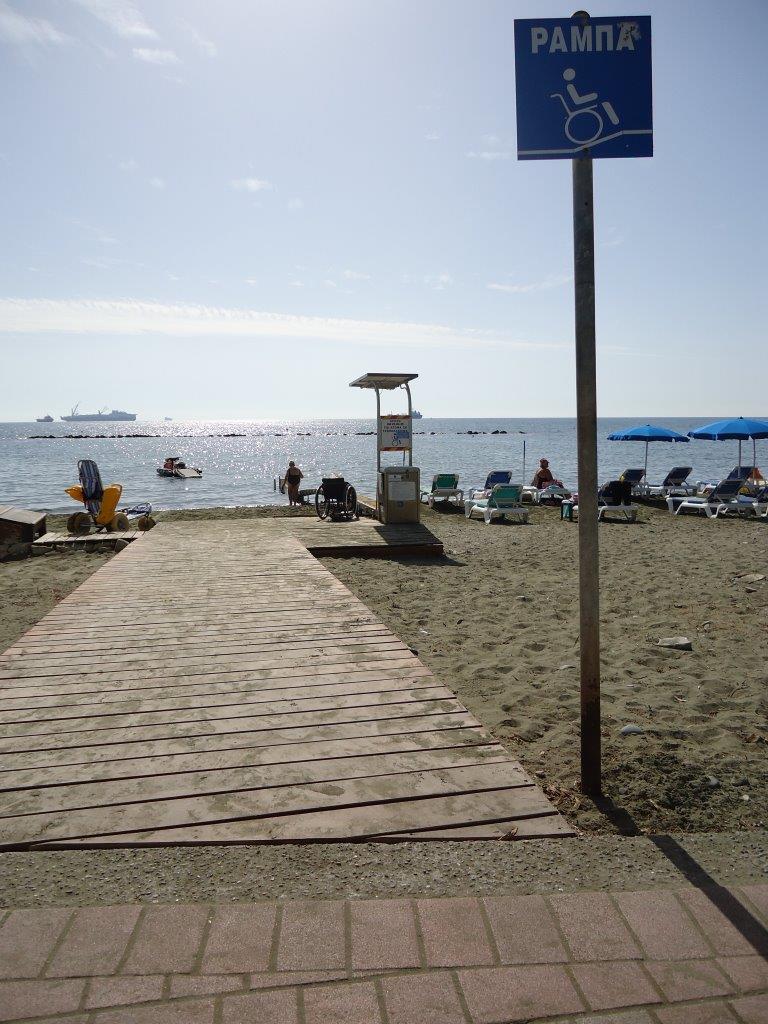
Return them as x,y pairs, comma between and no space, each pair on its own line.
647,432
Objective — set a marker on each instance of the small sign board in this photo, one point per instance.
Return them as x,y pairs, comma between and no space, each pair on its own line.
394,433
583,83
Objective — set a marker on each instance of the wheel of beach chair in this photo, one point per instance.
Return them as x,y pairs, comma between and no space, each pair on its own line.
70,523
145,523
80,524
119,523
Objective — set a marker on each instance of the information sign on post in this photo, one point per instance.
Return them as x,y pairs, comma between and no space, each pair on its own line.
394,433
583,89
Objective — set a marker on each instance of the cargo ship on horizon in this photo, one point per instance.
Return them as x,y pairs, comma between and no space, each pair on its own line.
115,415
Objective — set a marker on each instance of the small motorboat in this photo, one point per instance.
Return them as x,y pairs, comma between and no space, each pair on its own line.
173,466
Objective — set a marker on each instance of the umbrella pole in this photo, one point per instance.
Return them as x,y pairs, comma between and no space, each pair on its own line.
645,468
739,452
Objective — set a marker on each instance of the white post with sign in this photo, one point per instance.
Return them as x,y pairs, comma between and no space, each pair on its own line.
584,90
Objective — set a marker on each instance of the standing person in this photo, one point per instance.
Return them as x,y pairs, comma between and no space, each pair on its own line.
293,477
543,476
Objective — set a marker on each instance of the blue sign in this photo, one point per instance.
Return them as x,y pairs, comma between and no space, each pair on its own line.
583,84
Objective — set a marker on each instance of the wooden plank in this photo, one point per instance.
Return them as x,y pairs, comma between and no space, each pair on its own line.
246,779
277,809
149,766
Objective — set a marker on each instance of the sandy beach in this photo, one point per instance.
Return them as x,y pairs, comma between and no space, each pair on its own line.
497,621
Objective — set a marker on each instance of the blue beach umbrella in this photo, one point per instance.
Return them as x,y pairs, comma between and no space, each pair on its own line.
647,432
738,429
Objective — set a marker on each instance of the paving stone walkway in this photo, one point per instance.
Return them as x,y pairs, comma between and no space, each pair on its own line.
688,956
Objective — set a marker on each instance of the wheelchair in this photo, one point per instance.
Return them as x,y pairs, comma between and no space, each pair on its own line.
335,499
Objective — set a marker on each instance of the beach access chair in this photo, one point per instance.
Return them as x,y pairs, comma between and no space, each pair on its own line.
336,499
101,505
496,476
100,502
616,496
445,486
722,498
751,477
635,477
675,482
505,500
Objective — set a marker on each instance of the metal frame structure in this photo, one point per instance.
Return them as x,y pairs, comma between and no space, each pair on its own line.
379,382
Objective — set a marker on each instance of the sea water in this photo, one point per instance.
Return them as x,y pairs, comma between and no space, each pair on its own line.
240,470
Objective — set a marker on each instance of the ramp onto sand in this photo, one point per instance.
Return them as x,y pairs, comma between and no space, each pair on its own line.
217,684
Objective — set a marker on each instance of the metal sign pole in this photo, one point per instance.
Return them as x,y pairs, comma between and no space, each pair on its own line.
586,412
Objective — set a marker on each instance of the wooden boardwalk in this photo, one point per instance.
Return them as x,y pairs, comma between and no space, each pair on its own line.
216,683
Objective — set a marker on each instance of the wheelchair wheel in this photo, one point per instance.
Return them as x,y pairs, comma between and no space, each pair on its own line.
350,502
145,523
81,524
119,523
321,504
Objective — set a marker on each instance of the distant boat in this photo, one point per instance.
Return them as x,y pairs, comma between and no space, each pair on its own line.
168,419
416,414
92,417
44,419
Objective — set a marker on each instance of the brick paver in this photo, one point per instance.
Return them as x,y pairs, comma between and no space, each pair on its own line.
606,986
383,935
342,1004
688,979
703,1013
240,939
588,958
593,927
20,999
167,940
312,936
95,942
518,993
661,924
454,933
422,999
726,938
525,930
27,939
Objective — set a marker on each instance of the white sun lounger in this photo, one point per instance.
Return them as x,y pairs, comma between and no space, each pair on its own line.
505,500
445,487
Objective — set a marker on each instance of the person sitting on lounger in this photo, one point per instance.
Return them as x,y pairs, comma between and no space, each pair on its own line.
543,476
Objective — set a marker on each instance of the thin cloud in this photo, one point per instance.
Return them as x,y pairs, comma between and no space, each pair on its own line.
163,58
135,318
121,16
250,185
489,154
22,29
128,165
356,275
204,45
438,281
157,182
432,137
295,204
553,281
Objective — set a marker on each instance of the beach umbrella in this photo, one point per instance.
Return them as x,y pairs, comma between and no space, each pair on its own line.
647,433
738,429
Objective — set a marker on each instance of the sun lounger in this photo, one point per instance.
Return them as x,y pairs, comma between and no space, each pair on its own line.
505,500
552,494
635,477
614,497
723,497
496,476
675,482
445,486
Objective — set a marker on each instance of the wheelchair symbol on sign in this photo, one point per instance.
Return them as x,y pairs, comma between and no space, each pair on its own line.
584,107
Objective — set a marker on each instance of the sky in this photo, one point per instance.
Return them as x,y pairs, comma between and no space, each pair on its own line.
233,209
